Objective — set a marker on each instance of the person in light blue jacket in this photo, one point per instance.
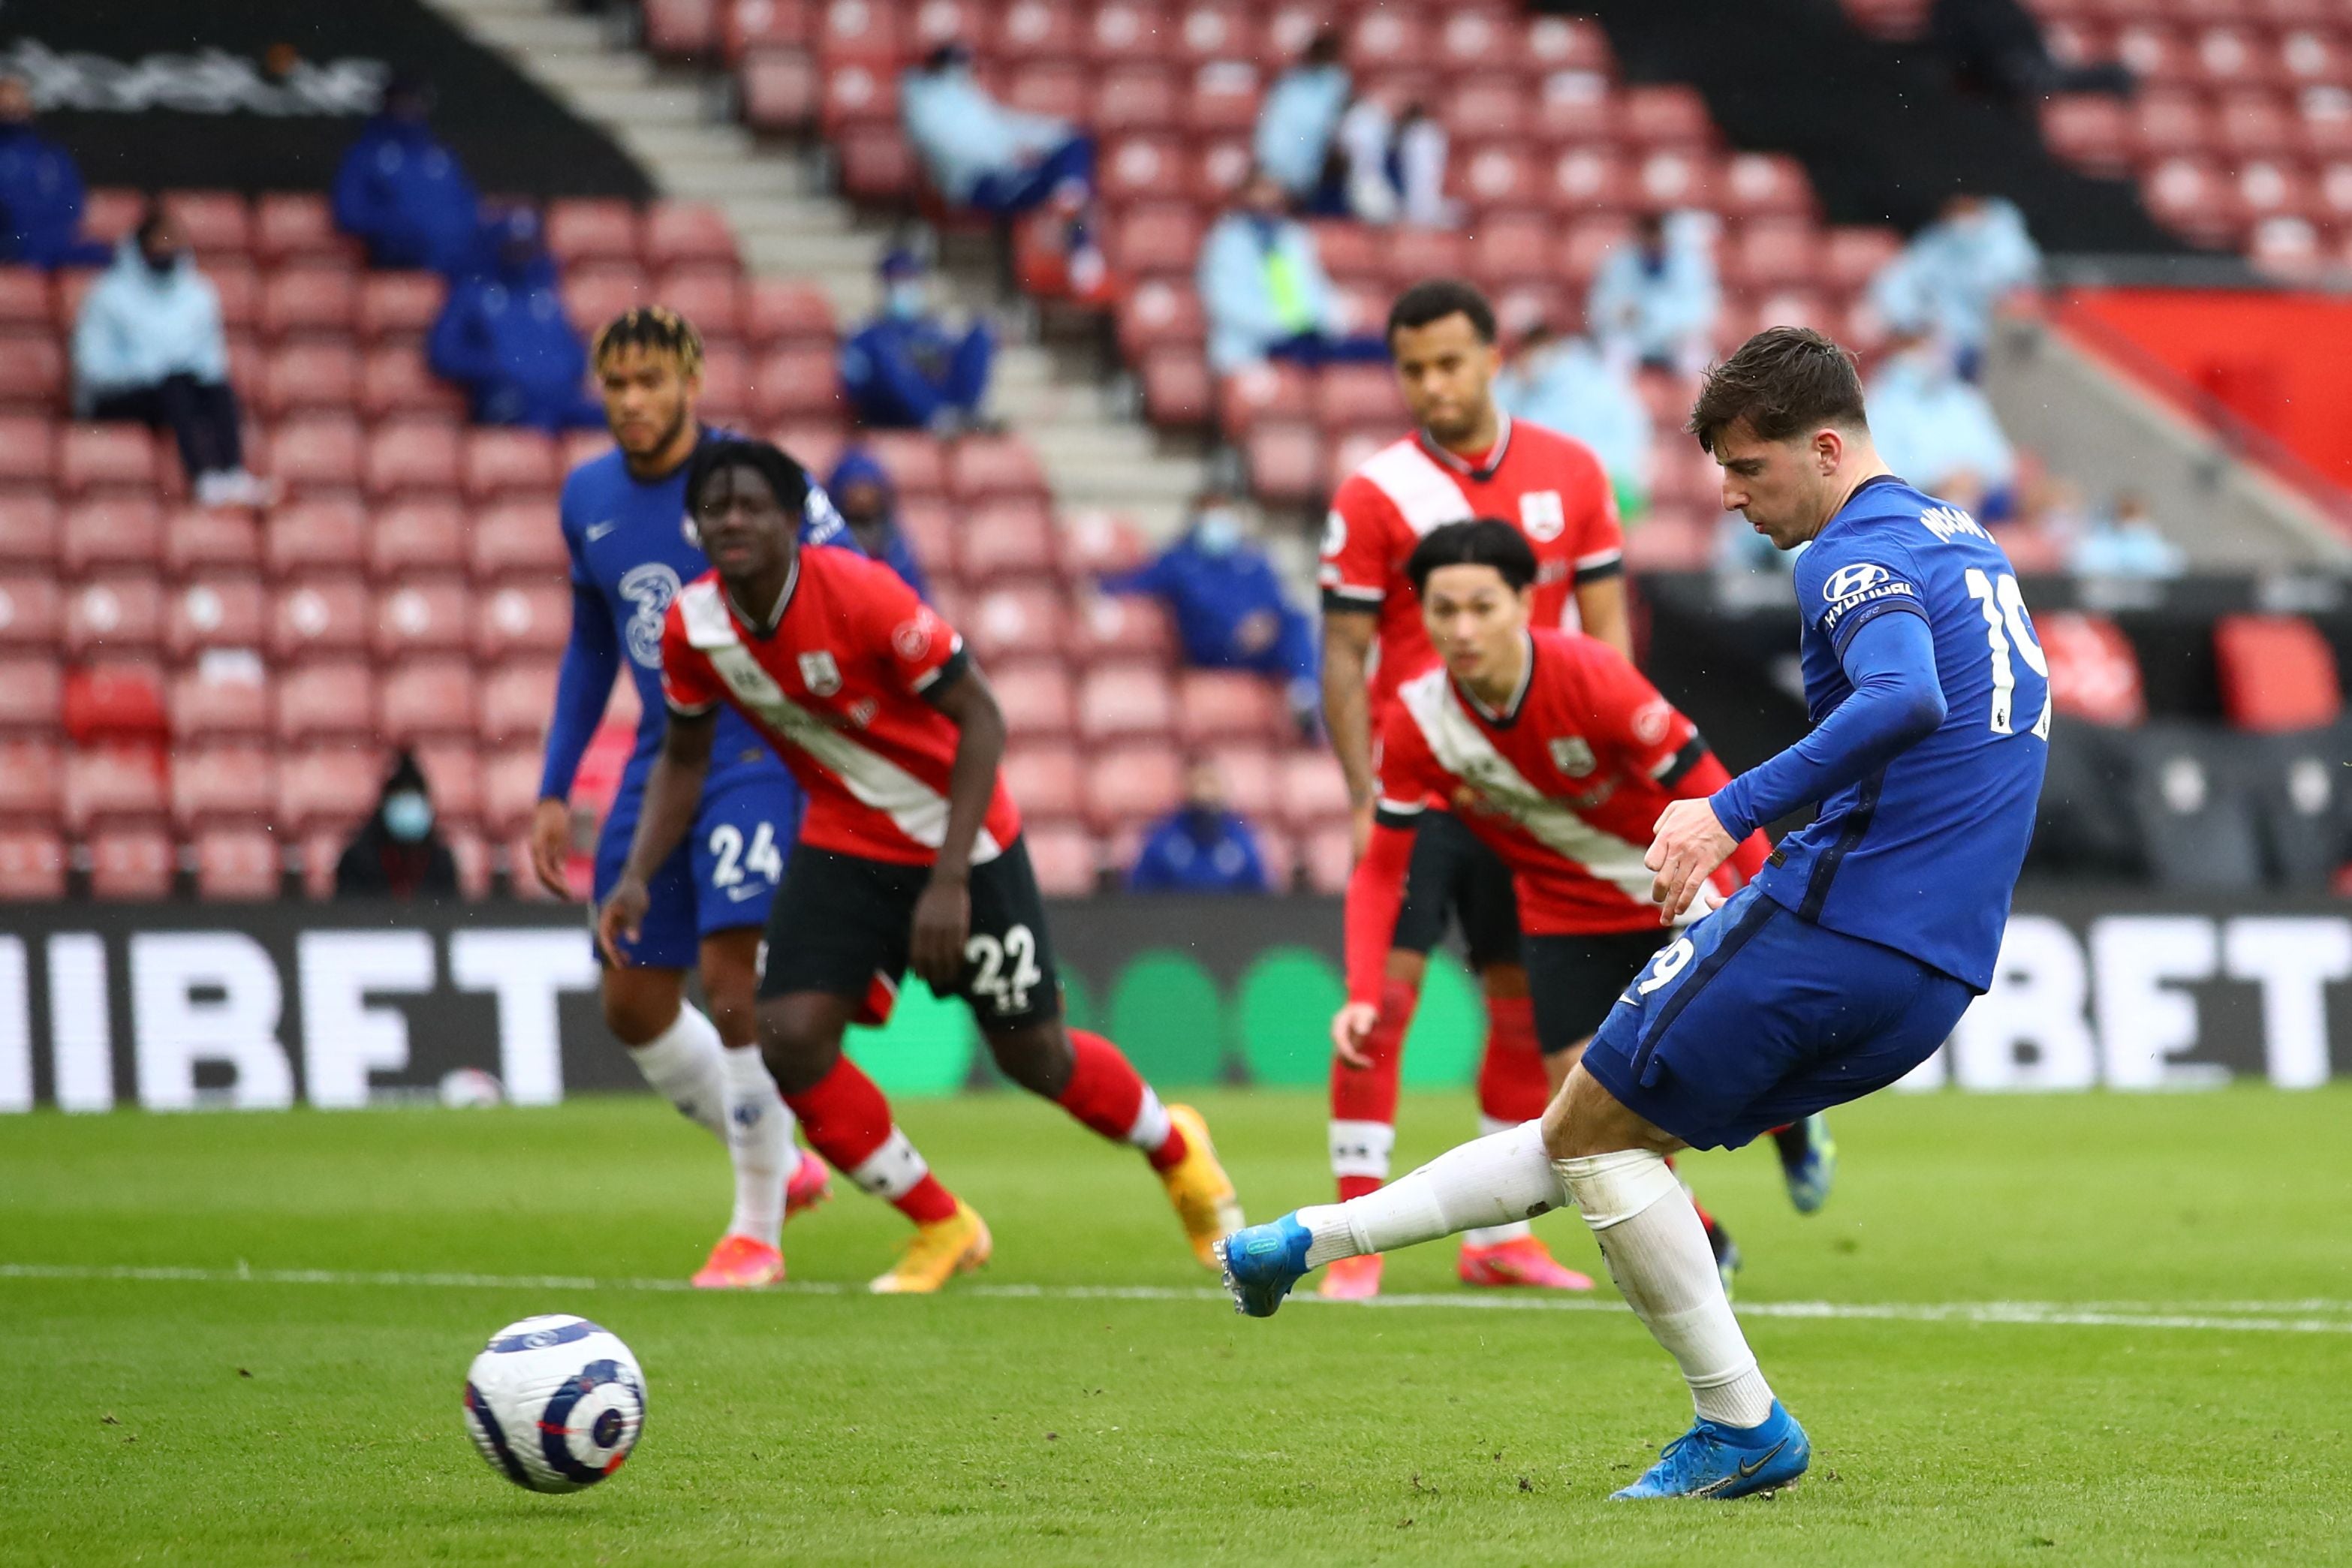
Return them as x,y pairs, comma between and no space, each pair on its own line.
979,153
1654,301
1566,384
148,349
1265,291
1953,273
1938,432
1299,116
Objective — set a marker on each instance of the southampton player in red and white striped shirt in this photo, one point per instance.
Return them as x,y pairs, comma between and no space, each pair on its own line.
910,853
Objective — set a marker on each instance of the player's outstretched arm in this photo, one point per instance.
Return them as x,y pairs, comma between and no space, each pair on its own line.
1346,714
1375,895
673,793
943,914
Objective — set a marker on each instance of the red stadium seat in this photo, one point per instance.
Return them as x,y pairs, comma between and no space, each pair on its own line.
1036,697
1123,31
25,297
1224,705
1178,389
1224,101
239,287
318,454
119,531
917,464
679,234
306,375
28,531
328,788
1247,770
1773,253
1586,180
747,24
423,615
219,699
1009,537
1348,395
2277,673
32,374
2258,125
295,226
409,457
102,459
31,781
319,615
1133,784
1570,44
505,462
1037,29
1328,855
1148,99
32,610
237,864
113,701
453,774
131,863
1045,781
216,222
1851,255
1110,625
776,310
588,229
877,164
396,382
32,865
779,89
1122,699
1386,38
1095,542
330,698
797,380
311,300
2190,196
200,539
116,615
1287,463
1065,859
1057,91
1011,621
1160,312
2093,670
1260,393
315,536
1212,31
235,782
517,700
521,539
1763,184
1163,237
113,784
1313,792
2165,123
27,455
509,790
425,697
1666,117
398,305
709,295
219,610
519,619
32,695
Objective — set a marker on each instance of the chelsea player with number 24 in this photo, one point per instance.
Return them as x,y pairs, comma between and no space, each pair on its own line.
1838,970
625,524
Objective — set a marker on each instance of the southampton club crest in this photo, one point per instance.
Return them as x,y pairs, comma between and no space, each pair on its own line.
820,674
1571,755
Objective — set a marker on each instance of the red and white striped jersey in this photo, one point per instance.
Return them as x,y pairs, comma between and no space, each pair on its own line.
1565,784
1552,486
833,679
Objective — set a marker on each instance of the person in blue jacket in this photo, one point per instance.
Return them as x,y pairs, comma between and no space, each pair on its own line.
402,194
862,493
503,335
1202,846
905,369
40,192
1229,605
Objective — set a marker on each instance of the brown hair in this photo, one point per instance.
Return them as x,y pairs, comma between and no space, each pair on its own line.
1783,382
655,328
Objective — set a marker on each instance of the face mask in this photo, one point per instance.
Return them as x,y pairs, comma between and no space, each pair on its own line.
905,299
407,815
161,266
1218,531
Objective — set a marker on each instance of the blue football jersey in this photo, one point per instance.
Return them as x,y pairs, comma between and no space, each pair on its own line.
630,543
1922,856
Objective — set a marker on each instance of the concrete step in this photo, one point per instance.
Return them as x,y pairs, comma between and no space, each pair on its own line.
640,106
734,177
523,36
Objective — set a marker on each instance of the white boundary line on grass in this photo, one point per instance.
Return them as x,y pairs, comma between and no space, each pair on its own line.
2250,1317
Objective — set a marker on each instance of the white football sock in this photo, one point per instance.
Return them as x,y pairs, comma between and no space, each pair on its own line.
760,1141
687,1065
1489,1235
1492,1181
1658,1255
1362,1149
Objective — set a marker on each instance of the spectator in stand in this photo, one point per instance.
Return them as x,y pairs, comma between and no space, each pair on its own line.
403,195
503,335
1229,605
1996,48
40,192
1566,384
1265,291
907,369
1395,165
397,853
862,493
981,154
148,349
1954,272
1655,302
2126,542
1938,432
1299,117
1202,846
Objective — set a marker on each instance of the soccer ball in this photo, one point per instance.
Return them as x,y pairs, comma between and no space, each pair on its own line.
555,1402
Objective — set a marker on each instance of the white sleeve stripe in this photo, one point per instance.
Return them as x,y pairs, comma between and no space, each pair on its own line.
1598,558
684,711
1400,807
923,682
1348,590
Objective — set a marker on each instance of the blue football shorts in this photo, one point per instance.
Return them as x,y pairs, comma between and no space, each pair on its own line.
722,878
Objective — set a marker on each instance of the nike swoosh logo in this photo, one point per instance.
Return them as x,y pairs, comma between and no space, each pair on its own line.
1748,1469
598,530
748,889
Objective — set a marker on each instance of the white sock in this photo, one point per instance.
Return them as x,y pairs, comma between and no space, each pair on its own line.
1492,1181
760,1141
1152,1126
1658,1255
1489,1235
1362,1149
689,1066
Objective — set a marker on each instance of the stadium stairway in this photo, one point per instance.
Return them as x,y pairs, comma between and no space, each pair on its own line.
788,225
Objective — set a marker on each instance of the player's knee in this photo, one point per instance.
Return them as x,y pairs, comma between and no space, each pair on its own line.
1036,1056
1584,1118
639,1006
798,1047
1503,981
1407,967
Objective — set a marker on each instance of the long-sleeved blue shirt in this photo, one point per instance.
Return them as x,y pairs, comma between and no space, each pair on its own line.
1196,850
41,199
1226,604
503,336
405,196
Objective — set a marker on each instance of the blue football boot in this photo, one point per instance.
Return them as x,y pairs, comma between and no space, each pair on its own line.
1716,1461
1261,1262
1808,1162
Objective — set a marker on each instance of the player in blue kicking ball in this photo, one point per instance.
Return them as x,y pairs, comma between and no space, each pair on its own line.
1839,969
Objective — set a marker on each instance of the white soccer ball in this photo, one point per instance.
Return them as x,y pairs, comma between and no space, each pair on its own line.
555,1402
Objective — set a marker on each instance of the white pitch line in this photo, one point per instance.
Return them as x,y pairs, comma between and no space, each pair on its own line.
2253,1317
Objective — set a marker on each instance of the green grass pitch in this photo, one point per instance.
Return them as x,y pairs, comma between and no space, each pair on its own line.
2061,1329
